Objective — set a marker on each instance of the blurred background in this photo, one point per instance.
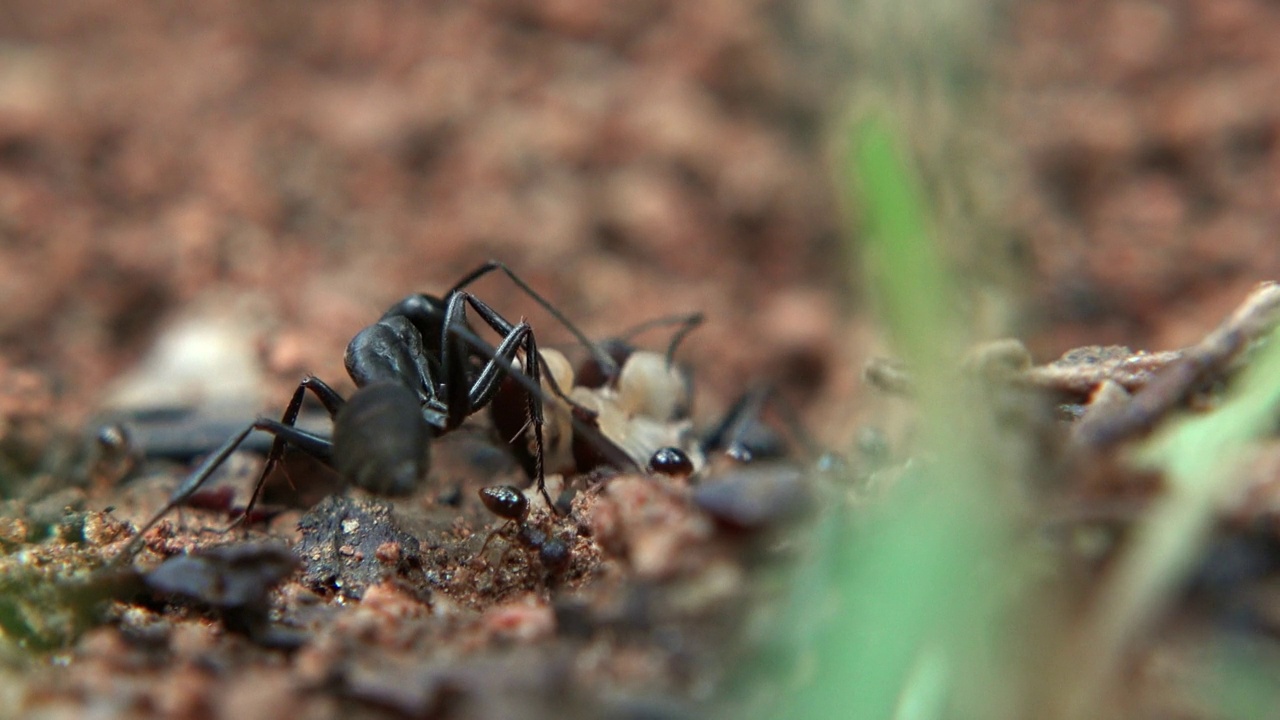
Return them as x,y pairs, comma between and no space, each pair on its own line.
1105,171
630,161
304,166
315,163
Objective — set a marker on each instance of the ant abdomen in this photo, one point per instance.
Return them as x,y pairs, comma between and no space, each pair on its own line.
505,501
381,441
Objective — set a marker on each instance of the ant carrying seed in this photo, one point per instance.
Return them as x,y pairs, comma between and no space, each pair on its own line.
509,503
639,403
419,372
636,402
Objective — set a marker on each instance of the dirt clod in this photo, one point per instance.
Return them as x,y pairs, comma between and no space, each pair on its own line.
349,544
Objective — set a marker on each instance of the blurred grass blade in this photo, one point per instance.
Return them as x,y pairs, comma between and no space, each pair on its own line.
1201,457
1243,682
898,600
905,272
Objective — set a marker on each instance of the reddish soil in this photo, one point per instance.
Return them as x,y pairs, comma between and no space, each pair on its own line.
284,173
1149,131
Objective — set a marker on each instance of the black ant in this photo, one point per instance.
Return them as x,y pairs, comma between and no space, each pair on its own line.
419,372
509,503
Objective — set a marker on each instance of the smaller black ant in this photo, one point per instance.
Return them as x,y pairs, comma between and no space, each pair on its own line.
509,503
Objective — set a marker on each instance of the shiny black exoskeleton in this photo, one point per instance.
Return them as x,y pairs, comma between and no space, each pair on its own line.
509,503
419,371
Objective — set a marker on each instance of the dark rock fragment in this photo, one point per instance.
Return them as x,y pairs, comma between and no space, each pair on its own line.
236,581
347,546
227,577
753,498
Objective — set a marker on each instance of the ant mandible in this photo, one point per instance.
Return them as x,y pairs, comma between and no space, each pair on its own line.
419,372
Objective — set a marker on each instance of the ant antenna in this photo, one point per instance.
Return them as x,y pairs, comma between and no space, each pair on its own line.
748,409
687,322
600,355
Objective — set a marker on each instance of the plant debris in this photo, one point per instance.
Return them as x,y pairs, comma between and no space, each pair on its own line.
1114,391
236,580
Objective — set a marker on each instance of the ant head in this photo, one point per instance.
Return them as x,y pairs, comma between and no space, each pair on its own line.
591,374
671,461
505,501
554,554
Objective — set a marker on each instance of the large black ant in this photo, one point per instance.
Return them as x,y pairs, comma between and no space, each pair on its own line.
419,371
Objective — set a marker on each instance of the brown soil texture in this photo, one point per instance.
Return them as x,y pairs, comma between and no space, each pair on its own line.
1151,163
277,175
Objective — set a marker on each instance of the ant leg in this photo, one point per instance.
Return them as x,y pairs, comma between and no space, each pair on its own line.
488,267
732,433
455,316
313,444
535,414
533,373
493,534
328,397
462,396
463,400
332,402
581,422
482,390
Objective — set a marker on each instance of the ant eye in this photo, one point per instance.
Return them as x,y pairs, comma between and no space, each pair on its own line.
505,501
671,461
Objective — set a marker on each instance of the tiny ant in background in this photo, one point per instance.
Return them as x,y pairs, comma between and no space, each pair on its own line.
509,503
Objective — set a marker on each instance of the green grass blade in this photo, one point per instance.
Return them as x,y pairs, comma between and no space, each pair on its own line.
898,600
1201,457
